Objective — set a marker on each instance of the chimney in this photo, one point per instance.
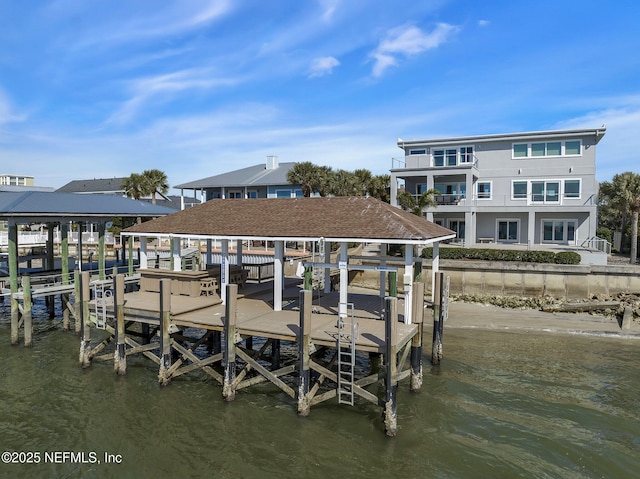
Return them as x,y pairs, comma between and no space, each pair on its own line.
272,162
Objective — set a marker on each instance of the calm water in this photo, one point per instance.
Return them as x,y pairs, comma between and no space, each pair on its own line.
501,405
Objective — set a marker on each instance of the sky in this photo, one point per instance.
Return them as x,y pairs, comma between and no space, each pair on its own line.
195,88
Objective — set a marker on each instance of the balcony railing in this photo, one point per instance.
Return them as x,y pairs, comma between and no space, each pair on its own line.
507,200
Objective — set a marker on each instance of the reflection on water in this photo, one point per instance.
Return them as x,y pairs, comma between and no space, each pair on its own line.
501,404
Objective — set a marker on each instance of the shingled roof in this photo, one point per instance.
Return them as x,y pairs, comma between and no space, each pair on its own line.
334,219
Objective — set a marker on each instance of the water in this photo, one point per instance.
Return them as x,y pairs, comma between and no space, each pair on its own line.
501,405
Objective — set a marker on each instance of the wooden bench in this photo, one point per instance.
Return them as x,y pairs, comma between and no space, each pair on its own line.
485,240
237,274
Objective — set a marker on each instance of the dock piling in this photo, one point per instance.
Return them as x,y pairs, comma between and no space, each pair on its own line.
416,342
391,373
27,311
165,338
119,356
436,347
304,347
85,320
229,347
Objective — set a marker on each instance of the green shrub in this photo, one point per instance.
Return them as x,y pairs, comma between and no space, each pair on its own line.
605,233
491,254
567,257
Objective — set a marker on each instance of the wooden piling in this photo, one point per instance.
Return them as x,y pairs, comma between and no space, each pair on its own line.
119,355
13,281
391,373
27,311
275,354
304,347
436,346
229,348
78,302
85,320
416,342
165,338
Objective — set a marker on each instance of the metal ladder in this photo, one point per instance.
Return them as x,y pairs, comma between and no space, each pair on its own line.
346,346
102,297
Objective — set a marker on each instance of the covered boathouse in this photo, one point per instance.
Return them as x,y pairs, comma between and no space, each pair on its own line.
330,336
58,211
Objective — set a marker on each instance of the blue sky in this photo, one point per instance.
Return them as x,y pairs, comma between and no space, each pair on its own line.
103,88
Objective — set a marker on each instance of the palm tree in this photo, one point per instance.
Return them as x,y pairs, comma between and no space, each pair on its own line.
156,182
303,174
379,187
135,186
623,194
416,206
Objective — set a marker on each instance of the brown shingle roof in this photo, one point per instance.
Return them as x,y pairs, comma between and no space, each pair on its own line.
335,218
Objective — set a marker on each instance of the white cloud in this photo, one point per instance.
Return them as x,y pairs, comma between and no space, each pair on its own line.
322,66
408,41
163,88
329,8
7,114
483,23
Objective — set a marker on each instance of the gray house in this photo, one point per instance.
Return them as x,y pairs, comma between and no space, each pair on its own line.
266,180
529,188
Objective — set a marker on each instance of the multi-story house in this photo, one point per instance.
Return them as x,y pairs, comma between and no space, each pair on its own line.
16,180
266,180
529,188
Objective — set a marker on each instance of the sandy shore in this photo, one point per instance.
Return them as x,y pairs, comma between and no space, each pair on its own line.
481,316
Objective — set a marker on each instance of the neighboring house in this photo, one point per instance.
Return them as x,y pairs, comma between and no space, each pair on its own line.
267,180
529,188
113,186
16,180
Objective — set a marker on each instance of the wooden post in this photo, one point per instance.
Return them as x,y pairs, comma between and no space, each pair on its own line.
130,261
77,305
14,273
101,260
229,349
64,301
308,278
50,300
165,338
64,251
85,320
275,354
391,373
416,341
436,347
393,284
119,356
304,346
27,316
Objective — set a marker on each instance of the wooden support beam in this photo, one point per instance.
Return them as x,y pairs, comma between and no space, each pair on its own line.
391,373
77,301
119,355
85,321
266,373
416,341
436,345
229,348
165,338
27,315
14,266
261,379
304,347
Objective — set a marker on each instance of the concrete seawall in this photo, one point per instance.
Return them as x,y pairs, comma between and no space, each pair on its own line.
524,279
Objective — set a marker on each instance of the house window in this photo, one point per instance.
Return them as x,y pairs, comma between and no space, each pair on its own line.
417,152
520,151
572,188
466,154
252,194
547,149
545,191
572,147
458,227
519,190
438,158
484,190
283,193
508,230
235,194
558,231
452,157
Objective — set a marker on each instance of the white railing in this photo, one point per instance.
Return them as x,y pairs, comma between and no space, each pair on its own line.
36,238
597,243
